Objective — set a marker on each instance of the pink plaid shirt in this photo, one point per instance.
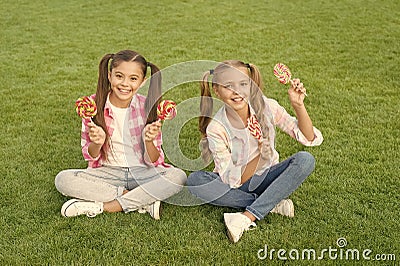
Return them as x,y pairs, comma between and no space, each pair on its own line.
137,121
230,150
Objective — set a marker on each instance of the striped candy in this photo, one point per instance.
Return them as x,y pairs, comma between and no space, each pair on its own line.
86,107
166,110
254,127
282,73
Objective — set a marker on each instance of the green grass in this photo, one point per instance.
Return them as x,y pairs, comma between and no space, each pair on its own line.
346,52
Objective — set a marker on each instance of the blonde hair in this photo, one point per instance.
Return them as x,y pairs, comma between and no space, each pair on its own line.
206,104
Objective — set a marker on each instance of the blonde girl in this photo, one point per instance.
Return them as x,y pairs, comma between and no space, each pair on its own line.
248,174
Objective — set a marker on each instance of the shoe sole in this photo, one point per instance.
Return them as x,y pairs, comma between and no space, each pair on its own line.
230,237
229,234
291,214
158,214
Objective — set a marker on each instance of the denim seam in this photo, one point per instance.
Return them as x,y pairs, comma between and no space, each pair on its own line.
254,212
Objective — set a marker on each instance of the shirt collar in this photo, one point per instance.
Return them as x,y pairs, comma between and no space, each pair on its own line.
133,105
221,117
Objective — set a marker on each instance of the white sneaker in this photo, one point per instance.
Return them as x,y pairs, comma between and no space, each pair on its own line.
285,208
153,209
75,207
236,224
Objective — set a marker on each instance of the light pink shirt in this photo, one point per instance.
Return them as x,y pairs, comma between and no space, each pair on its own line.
137,121
231,150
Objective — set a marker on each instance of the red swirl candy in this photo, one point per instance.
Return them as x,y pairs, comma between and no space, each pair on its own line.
254,127
166,110
282,73
86,107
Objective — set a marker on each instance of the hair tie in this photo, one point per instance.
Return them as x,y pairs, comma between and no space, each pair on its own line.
211,71
247,65
110,62
148,64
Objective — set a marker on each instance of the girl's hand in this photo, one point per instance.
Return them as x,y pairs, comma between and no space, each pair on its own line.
96,134
296,92
152,130
265,149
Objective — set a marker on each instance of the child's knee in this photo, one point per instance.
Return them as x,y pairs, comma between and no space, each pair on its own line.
61,180
194,179
306,160
177,176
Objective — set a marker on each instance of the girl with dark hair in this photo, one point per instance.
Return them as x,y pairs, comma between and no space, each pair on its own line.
122,145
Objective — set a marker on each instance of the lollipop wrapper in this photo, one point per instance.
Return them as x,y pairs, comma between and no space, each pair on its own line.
86,107
282,73
166,110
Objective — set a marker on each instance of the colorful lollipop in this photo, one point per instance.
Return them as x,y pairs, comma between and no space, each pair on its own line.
86,107
166,110
283,74
254,127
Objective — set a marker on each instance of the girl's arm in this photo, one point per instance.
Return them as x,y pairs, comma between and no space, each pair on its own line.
92,139
94,149
296,97
97,138
304,122
250,169
151,131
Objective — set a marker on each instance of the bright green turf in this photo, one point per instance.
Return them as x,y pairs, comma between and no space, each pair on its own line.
346,52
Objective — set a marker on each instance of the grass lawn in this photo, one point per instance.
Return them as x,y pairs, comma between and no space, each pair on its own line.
347,54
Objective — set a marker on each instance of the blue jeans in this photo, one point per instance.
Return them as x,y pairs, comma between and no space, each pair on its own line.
261,193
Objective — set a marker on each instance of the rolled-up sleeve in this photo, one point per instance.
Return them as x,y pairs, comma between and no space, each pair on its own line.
288,124
303,140
85,141
157,143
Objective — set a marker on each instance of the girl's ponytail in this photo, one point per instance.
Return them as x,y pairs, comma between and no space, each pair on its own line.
206,107
256,98
154,93
103,88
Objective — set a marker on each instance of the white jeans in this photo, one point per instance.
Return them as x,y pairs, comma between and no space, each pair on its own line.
106,183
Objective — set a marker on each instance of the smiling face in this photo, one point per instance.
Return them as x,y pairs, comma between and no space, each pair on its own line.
232,86
125,80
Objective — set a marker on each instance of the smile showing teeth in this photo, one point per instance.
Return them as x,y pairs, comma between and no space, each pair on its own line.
124,91
238,99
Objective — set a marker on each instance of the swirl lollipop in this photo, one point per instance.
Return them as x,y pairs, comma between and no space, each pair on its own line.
166,110
86,107
254,127
283,74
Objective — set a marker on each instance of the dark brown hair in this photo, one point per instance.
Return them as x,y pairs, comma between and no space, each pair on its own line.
107,63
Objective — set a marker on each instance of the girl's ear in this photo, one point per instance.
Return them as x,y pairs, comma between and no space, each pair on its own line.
215,88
